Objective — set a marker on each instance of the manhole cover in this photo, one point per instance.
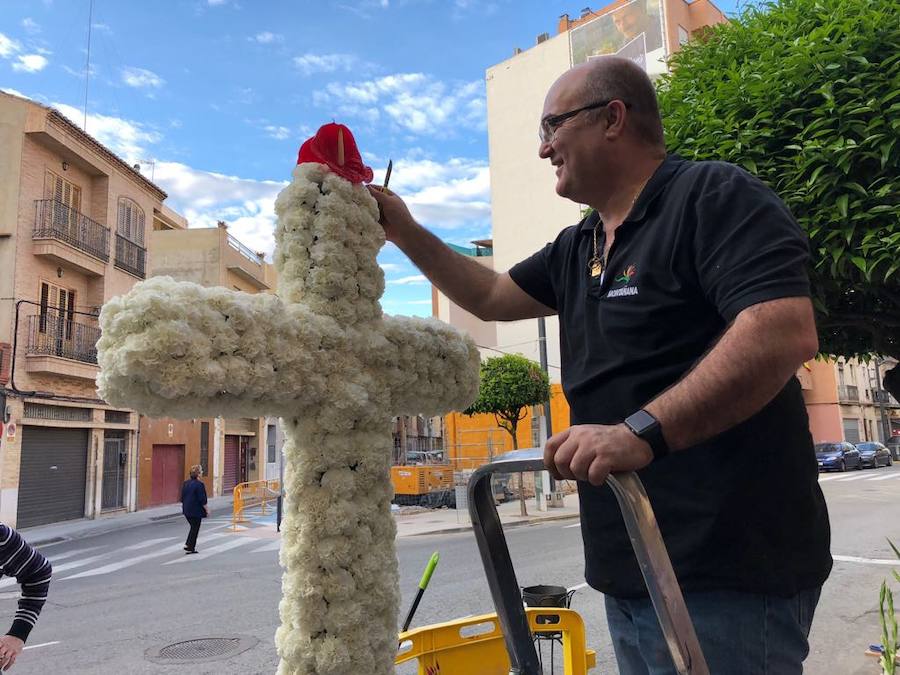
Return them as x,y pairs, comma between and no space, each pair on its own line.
202,649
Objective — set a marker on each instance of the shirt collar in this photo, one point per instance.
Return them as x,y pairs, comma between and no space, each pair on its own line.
653,189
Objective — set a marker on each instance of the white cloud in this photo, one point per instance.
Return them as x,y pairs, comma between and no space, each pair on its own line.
392,267
130,140
216,3
310,64
414,279
30,25
8,46
141,78
266,38
30,63
415,102
280,133
13,92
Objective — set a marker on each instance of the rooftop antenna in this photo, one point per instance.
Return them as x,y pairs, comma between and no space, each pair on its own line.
87,67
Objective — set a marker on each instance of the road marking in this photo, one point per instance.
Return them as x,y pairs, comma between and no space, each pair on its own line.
888,477
128,562
271,546
149,542
569,527
69,554
43,644
61,568
233,543
868,561
578,587
847,479
822,479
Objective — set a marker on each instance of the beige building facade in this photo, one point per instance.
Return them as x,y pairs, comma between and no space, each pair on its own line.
73,225
231,451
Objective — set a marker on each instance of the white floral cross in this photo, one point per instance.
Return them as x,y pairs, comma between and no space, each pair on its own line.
323,357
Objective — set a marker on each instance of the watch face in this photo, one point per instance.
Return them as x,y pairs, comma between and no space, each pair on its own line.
641,421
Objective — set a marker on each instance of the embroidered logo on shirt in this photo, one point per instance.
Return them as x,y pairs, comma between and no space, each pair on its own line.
624,278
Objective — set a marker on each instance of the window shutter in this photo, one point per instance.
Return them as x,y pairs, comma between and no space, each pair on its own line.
45,299
71,315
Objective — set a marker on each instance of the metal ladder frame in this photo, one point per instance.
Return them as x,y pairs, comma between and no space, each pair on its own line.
649,548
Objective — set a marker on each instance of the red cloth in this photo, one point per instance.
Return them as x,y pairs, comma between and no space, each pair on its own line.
323,149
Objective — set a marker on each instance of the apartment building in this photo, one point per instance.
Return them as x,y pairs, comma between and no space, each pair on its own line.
231,451
73,228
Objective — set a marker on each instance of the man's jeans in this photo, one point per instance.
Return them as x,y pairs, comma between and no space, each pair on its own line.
739,633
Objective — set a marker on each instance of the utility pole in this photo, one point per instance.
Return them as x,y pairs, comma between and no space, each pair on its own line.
548,420
882,395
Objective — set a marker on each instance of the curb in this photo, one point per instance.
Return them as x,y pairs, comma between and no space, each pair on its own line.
506,526
113,527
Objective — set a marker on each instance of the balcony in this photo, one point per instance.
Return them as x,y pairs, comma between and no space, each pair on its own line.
848,393
885,398
70,238
246,264
59,346
130,257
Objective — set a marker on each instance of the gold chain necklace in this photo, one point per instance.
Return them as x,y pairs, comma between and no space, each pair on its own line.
598,261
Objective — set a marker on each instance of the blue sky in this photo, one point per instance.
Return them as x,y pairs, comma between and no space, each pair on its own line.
214,97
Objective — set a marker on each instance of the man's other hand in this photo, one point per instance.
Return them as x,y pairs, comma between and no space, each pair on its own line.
590,452
394,215
10,648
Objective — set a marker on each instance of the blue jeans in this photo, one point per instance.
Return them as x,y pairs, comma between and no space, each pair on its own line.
739,633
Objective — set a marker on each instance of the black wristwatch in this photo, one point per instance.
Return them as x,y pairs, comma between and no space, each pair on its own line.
646,426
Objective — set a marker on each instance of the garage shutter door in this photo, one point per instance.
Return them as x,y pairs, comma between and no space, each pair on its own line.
232,450
52,475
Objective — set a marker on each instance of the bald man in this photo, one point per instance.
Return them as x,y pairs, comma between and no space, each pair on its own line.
684,313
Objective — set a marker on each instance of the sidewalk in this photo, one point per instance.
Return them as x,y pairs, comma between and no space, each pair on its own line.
445,521
86,527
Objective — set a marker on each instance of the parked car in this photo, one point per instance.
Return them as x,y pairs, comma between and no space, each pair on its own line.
837,456
874,454
893,444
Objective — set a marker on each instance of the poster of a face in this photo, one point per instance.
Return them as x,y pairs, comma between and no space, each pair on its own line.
633,30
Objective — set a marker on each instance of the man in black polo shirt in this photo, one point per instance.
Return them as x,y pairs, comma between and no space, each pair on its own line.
684,314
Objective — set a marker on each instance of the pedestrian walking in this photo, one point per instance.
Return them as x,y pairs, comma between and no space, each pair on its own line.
193,506
32,571
684,311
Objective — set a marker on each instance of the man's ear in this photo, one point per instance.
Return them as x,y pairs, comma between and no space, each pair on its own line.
616,114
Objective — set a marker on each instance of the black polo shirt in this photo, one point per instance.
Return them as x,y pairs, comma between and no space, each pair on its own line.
704,241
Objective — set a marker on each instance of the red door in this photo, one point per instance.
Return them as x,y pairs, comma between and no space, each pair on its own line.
232,462
168,474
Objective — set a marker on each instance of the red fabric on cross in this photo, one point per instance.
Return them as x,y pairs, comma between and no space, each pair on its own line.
323,149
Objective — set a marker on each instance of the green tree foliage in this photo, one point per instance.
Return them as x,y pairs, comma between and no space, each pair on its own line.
509,384
806,95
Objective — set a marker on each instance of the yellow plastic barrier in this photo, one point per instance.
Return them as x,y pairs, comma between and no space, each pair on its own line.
250,495
475,644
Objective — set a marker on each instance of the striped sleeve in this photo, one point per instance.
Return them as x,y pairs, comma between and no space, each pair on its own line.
32,571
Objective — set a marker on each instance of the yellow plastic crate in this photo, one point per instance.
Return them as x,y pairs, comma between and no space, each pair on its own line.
474,645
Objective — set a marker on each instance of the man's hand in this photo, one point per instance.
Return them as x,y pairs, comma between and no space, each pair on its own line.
590,452
10,648
394,214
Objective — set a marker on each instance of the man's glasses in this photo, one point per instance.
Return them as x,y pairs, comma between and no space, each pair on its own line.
551,123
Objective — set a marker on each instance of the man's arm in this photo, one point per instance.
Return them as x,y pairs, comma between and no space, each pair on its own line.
759,352
483,292
755,357
33,572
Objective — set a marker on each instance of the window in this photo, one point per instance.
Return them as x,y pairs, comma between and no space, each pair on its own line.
131,221
683,35
851,430
57,311
66,198
204,447
270,443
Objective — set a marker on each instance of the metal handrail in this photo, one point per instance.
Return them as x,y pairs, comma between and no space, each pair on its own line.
131,257
649,548
54,333
251,494
55,220
245,251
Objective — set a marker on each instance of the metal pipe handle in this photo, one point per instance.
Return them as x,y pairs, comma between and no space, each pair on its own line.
649,548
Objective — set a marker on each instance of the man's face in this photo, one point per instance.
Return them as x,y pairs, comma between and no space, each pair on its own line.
627,22
575,143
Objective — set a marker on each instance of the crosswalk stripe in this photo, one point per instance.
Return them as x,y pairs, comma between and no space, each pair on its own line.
149,542
888,477
271,546
10,581
823,479
568,527
70,554
847,479
203,555
128,562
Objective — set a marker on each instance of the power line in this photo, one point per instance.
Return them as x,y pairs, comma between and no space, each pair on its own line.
87,67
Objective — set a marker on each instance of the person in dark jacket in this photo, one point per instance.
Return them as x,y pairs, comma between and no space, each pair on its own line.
193,506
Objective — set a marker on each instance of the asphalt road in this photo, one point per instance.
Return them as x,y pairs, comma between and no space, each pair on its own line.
119,597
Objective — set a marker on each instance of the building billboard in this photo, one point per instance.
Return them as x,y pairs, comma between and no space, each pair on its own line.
634,30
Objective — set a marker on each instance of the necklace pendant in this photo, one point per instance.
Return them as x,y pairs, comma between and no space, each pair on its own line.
596,267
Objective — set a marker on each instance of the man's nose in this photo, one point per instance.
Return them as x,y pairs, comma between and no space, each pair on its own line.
545,149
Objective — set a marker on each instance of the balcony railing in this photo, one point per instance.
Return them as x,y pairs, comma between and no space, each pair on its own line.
244,251
53,333
55,220
131,257
847,392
